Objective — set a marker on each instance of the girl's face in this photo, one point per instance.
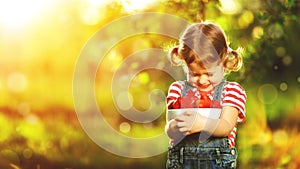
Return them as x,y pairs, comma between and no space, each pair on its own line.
205,78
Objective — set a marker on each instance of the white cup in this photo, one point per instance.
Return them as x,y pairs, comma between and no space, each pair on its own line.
213,113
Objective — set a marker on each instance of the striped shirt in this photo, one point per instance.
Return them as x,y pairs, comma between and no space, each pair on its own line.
233,95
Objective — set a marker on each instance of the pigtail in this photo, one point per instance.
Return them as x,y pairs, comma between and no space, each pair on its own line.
233,60
174,56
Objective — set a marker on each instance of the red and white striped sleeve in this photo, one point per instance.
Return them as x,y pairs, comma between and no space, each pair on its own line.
234,95
174,93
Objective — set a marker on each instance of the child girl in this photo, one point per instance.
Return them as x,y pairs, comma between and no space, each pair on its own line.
198,141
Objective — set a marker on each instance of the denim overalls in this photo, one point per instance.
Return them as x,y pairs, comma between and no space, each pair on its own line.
200,150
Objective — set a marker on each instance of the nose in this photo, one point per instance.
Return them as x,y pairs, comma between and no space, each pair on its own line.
203,79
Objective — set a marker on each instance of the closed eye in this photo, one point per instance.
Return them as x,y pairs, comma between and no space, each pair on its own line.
199,74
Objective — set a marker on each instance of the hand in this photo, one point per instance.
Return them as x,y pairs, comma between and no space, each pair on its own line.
172,131
189,122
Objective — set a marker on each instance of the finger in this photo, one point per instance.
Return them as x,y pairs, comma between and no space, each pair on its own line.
180,118
183,130
188,113
187,133
180,124
183,117
186,119
183,126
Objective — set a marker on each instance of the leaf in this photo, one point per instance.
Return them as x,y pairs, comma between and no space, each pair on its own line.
289,3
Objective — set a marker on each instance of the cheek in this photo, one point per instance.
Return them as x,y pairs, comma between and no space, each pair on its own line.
216,82
216,79
192,79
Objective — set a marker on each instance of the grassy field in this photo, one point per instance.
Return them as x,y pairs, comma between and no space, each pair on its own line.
53,138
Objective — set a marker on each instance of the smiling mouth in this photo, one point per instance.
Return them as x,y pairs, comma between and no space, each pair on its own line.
204,86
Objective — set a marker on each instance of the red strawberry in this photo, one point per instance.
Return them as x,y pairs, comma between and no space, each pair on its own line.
204,101
188,101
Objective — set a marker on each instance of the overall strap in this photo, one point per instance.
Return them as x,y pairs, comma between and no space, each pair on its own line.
217,96
186,87
218,91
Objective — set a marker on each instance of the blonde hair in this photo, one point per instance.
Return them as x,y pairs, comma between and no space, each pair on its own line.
205,43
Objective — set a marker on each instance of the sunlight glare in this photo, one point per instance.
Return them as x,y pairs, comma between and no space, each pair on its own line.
230,6
90,16
17,13
17,82
136,5
98,2
92,11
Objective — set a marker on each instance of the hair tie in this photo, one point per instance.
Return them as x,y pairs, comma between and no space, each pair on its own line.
229,50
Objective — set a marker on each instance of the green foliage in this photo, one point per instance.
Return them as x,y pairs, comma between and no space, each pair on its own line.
278,22
40,128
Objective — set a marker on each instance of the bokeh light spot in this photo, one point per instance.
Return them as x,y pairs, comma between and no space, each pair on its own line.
280,51
16,82
283,86
257,32
298,79
275,31
287,60
245,19
148,125
115,59
27,153
32,119
125,127
144,78
280,138
23,108
125,101
267,93
230,6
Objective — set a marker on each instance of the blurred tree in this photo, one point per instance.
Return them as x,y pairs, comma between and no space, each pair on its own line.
266,29
193,11
271,55
44,56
